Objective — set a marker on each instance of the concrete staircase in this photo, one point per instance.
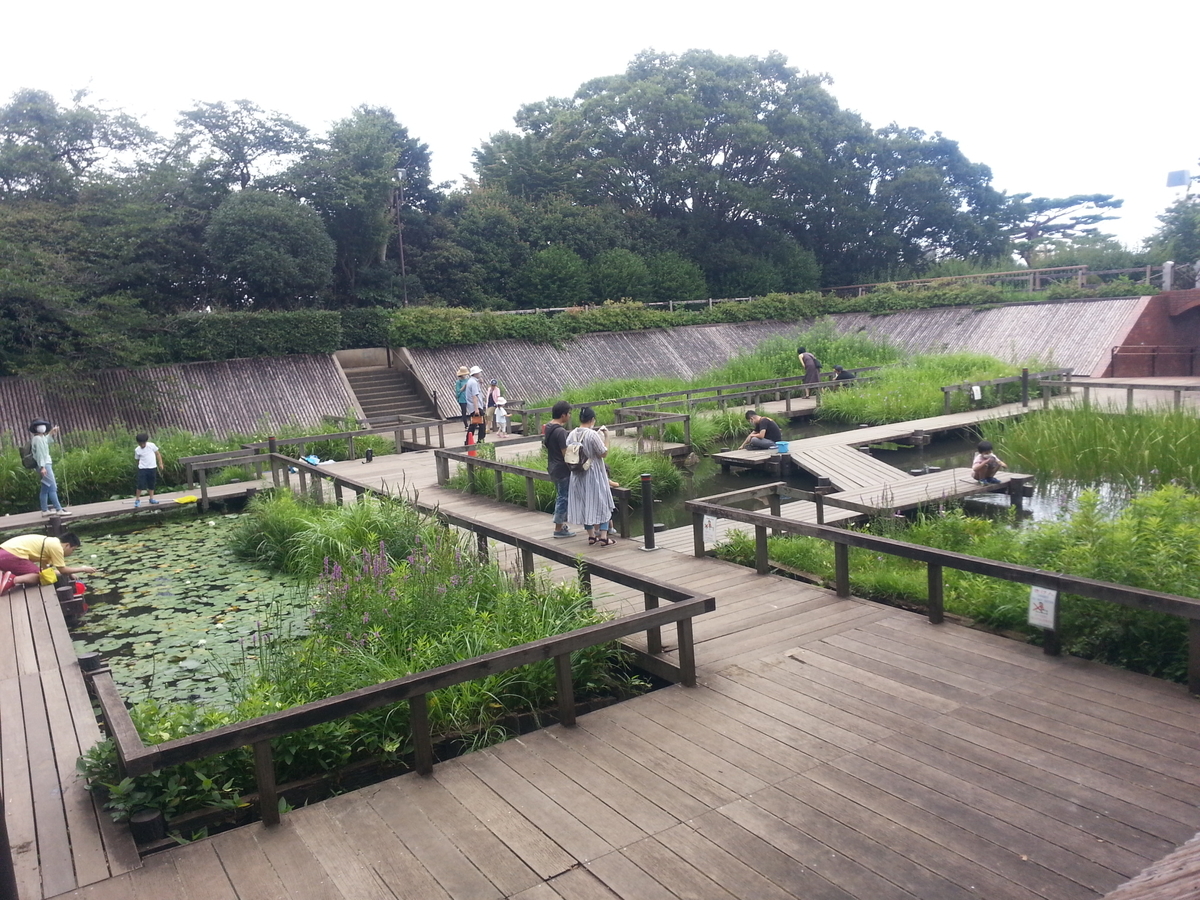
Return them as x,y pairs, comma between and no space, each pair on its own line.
384,393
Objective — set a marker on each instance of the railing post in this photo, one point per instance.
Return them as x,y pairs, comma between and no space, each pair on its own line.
647,511
841,564
1025,388
653,635
337,492
443,469
773,500
527,562
264,775
687,653
1129,401
566,689
760,549
1194,656
471,489
350,446
203,487
499,485
936,594
698,534
945,401
418,723
530,493
585,577
481,546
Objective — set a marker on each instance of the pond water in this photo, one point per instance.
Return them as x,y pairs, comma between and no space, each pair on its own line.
172,608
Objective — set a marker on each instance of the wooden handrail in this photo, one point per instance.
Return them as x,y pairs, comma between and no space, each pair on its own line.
461,455
1178,390
137,758
1024,379
1137,598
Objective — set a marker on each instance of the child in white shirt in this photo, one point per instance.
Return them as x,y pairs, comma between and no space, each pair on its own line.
501,417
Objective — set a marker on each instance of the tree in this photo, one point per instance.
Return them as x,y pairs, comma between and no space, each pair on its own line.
242,136
554,277
619,275
271,250
1178,237
46,150
748,149
1044,223
350,178
674,278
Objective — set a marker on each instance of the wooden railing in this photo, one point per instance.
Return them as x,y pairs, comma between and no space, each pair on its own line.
1171,357
136,758
720,394
937,560
461,455
1023,379
1177,390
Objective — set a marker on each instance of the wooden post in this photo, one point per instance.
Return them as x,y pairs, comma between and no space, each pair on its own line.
1025,388
264,774
1178,398
441,436
1194,656
760,549
623,516
687,653
273,449
945,402
350,446
1129,401
687,432
841,564
337,492
653,635
319,488
698,534
774,501
443,469
527,562
470,475
1087,396
585,578
418,723
936,594
530,493
499,485
566,689
398,437
203,487
481,546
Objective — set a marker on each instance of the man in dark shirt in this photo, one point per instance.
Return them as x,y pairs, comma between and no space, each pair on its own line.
555,442
764,432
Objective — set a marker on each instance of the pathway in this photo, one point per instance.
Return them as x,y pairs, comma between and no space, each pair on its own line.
833,749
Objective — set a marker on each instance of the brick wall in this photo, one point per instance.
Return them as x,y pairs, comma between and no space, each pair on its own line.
1163,340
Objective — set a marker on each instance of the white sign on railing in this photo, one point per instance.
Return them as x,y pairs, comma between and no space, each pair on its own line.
1041,607
710,530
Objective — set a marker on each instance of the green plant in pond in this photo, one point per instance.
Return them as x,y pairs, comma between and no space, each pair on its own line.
1135,450
1153,543
912,389
378,618
290,533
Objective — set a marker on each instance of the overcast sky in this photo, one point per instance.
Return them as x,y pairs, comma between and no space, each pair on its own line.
1057,97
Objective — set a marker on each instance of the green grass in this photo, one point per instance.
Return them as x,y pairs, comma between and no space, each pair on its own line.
1154,543
1135,451
912,389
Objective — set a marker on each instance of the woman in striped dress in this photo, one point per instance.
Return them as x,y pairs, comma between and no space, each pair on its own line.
590,499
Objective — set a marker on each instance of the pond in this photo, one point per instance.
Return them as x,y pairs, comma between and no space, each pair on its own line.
172,609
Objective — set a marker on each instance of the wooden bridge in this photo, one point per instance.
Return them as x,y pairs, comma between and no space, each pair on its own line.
833,748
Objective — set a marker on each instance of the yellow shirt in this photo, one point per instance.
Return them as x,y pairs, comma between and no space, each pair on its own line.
48,551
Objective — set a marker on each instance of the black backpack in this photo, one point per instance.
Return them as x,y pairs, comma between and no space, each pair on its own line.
27,459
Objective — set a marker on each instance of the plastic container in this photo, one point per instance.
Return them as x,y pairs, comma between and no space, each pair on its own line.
781,446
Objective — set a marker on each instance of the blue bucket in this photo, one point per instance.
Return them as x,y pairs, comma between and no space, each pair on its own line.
781,446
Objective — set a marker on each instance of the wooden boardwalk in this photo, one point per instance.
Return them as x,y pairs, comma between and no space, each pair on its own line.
59,839
833,749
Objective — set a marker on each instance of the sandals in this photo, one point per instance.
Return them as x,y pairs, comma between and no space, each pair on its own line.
592,539
605,541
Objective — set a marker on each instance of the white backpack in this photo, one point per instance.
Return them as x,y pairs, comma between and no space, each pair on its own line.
573,454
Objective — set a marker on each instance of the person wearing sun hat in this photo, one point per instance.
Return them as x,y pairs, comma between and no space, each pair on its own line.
39,445
460,392
476,403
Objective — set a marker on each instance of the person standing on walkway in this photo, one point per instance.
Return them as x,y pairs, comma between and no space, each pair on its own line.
493,394
149,464
555,442
591,501
43,436
460,393
812,366
476,404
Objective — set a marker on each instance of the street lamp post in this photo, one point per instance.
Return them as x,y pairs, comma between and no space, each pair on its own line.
400,234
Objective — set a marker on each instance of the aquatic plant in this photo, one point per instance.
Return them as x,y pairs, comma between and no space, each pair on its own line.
1153,543
1136,450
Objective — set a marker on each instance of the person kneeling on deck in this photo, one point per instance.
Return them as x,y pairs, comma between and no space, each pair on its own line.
986,464
26,555
764,432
